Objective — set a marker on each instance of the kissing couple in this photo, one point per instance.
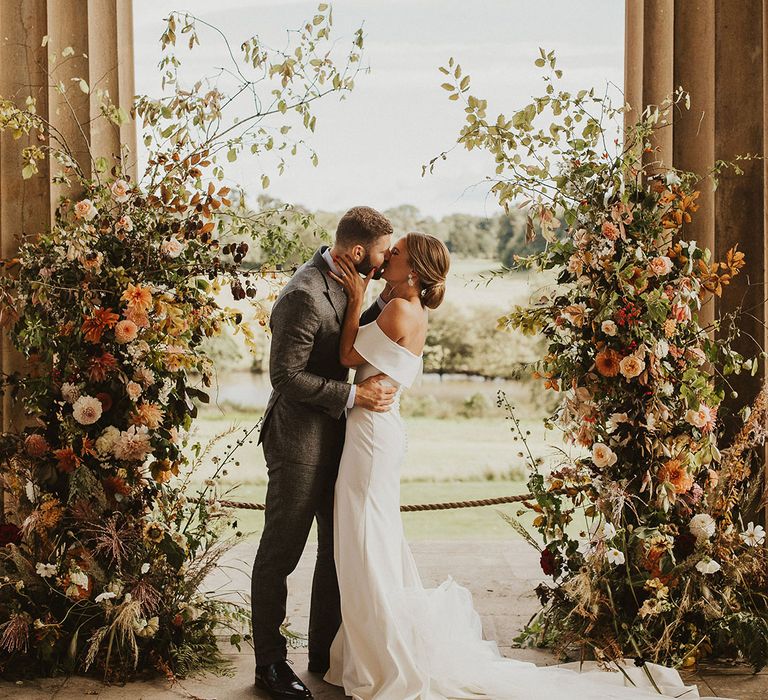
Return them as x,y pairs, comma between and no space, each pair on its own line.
333,452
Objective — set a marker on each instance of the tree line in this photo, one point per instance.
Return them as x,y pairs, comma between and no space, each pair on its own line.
496,238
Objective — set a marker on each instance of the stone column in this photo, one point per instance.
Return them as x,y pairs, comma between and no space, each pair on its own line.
111,69
694,130
33,37
658,69
633,60
739,199
25,205
717,54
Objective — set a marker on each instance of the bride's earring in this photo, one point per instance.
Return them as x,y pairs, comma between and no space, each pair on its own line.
410,279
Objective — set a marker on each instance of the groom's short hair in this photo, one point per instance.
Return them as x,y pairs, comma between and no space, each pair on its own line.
362,226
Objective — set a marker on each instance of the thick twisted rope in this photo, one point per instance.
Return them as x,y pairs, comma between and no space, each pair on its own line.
413,507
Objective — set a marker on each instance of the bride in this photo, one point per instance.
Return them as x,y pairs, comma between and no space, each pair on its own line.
399,640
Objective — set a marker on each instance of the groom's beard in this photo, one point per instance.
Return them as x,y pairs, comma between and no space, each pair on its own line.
365,266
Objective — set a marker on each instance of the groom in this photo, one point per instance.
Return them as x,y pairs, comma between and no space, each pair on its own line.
303,436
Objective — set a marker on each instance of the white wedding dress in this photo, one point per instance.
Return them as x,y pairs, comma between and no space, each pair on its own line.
399,640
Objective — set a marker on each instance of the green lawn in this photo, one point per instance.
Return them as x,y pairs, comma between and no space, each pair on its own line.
438,450
447,460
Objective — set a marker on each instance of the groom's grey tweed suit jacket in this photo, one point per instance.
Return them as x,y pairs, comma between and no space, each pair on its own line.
303,422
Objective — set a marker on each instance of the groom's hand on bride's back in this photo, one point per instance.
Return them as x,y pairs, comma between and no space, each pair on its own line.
373,395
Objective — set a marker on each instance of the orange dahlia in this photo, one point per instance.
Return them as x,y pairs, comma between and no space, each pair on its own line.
94,327
67,460
677,474
607,362
149,414
137,297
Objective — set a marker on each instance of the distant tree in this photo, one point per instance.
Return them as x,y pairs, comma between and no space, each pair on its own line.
404,218
448,347
301,230
470,236
511,237
467,341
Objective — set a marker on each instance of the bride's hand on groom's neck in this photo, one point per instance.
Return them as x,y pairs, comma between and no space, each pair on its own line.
349,278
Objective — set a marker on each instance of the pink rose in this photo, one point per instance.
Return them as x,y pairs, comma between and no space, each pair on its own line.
124,223
660,266
120,190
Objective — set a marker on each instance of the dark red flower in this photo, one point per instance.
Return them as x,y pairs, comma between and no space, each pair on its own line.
105,399
67,460
115,485
548,562
9,534
684,546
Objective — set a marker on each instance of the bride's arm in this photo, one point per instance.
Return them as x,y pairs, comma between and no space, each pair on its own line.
354,287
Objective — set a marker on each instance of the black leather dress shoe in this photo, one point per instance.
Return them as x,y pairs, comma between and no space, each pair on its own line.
281,682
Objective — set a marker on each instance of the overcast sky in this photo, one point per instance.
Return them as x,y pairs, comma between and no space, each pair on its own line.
372,145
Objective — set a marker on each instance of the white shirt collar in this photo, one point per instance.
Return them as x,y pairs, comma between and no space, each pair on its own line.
329,259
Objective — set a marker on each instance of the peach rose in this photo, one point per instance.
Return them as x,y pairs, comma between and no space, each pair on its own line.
610,230
660,266
631,366
124,223
121,190
85,209
602,455
703,418
172,248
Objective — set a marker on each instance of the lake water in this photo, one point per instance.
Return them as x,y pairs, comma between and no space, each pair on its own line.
250,391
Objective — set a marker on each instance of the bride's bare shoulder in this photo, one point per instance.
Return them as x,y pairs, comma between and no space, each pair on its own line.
397,318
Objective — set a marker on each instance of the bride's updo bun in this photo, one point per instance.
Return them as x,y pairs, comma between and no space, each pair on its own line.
430,261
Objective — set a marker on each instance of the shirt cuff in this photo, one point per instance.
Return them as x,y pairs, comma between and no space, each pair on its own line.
381,302
351,399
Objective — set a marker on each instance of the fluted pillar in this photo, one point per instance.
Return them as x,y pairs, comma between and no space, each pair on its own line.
658,70
633,61
25,205
694,130
44,44
740,199
717,54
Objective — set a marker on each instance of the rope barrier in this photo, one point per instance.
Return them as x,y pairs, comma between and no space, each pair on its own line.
413,507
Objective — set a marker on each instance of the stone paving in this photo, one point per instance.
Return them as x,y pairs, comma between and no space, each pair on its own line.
500,574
